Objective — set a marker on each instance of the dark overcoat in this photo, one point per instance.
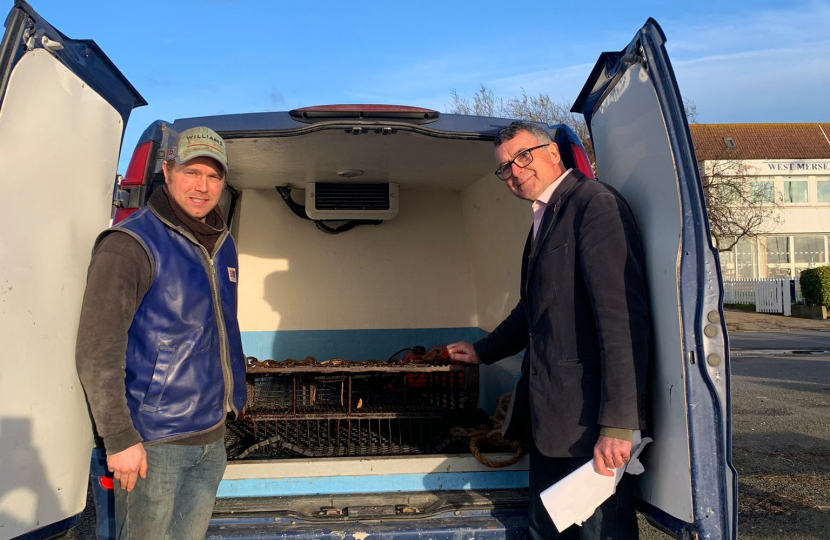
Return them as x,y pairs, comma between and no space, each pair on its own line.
583,322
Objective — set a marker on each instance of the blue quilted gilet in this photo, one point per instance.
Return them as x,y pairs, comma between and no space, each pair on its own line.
185,366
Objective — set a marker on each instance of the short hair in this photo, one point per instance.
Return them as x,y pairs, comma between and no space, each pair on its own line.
507,133
171,163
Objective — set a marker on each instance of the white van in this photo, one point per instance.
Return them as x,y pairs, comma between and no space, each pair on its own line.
361,230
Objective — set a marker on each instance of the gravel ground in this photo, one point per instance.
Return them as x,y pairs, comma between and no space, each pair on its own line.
751,321
781,446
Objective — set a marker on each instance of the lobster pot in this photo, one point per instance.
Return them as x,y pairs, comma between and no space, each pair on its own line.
356,409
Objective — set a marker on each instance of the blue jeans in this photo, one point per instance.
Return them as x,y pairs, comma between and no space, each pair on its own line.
615,519
176,499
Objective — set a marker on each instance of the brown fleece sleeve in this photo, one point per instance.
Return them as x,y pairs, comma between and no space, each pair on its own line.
119,276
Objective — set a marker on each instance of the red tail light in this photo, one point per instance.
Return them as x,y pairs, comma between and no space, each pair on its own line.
582,161
122,213
137,170
106,482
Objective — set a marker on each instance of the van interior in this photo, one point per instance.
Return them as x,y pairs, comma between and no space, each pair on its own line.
438,272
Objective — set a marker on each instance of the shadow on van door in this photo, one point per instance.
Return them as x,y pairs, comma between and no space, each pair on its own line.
26,494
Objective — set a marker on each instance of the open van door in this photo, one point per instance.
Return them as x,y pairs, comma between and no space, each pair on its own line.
643,148
63,109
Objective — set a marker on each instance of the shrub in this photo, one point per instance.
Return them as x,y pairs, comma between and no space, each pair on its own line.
815,286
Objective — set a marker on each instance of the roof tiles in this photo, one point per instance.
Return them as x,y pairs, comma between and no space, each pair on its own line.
761,141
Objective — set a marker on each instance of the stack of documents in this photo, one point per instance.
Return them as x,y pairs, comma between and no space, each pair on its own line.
576,497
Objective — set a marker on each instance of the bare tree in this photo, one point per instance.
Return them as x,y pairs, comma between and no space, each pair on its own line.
539,108
690,108
482,103
739,206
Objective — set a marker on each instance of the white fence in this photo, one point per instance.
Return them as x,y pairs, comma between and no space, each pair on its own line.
739,292
768,295
773,296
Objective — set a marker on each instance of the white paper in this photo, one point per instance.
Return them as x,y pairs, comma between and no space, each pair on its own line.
576,497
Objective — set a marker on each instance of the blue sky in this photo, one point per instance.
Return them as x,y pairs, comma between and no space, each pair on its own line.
739,61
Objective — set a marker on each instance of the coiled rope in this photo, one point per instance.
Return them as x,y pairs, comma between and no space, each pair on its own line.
493,437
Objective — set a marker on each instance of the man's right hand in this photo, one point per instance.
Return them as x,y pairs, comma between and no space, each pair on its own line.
463,351
127,465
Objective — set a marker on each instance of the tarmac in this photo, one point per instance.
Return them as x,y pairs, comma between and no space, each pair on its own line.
737,320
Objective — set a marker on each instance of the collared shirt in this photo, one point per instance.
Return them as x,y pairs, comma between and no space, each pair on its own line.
540,205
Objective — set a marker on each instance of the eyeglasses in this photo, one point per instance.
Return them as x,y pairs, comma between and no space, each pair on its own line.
523,159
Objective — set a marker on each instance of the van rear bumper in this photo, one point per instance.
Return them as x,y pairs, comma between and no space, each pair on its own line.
491,515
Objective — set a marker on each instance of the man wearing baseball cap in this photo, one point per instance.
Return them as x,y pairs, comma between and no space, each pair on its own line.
159,351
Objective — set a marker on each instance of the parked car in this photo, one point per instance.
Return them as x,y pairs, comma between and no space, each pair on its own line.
362,230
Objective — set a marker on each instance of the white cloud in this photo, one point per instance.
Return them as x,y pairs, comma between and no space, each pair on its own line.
774,85
767,66
756,30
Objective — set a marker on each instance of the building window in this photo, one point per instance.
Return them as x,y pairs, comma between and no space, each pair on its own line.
727,259
795,191
778,256
746,258
729,142
740,261
729,193
808,251
762,191
823,190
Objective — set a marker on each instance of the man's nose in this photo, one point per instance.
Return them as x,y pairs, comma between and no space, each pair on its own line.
202,183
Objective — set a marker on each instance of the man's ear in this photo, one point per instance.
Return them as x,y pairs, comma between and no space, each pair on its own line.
165,171
553,150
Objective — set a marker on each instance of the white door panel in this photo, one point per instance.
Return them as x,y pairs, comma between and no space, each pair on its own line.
59,144
644,173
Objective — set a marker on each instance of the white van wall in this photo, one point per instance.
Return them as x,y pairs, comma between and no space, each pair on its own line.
497,227
446,269
359,295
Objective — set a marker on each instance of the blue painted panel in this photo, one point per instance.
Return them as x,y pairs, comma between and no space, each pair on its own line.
372,344
333,485
104,498
51,531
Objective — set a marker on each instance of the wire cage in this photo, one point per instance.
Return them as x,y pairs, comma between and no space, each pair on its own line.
356,408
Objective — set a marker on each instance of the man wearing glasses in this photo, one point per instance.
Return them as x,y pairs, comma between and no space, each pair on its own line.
582,320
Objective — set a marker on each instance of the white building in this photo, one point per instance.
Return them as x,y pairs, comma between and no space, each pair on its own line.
790,162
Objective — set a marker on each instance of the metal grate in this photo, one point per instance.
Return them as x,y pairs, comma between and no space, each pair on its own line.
290,395
341,196
352,410
339,437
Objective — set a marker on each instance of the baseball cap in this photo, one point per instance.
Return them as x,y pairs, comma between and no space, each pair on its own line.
198,142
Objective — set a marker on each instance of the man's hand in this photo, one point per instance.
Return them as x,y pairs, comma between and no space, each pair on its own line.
127,465
610,454
463,352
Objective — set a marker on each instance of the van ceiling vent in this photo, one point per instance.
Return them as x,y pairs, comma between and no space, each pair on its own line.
337,201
